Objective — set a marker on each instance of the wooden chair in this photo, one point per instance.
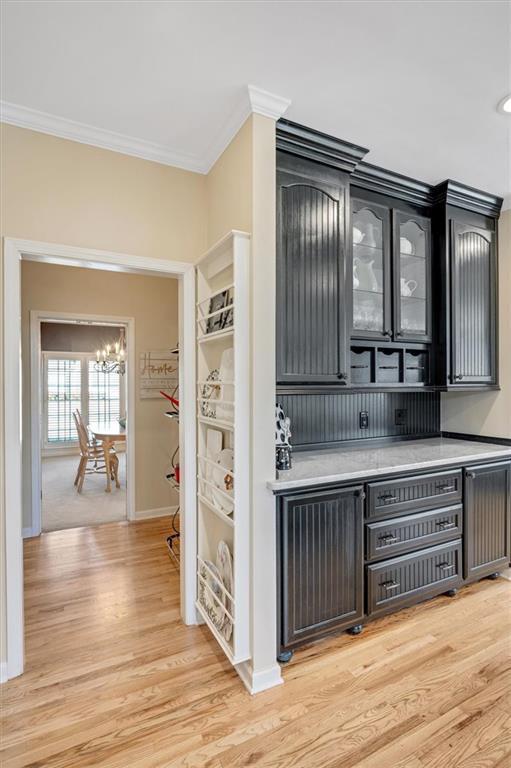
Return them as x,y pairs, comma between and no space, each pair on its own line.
91,452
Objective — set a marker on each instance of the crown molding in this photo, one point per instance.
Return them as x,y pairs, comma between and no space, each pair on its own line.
266,103
320,147
43,122
451,192
385,182
253,100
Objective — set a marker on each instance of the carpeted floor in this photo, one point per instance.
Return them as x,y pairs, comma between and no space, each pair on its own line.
63,507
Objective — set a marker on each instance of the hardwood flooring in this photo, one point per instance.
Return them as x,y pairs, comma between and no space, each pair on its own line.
114,680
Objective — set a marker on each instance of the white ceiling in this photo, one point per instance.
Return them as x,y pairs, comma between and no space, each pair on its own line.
416,82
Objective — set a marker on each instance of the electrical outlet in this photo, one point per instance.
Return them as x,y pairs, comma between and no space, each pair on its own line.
400,417
363,419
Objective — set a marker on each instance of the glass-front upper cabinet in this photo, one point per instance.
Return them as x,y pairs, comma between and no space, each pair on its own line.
412,277
371,270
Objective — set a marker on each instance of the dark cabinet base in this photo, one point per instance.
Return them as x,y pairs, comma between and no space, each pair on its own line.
441,530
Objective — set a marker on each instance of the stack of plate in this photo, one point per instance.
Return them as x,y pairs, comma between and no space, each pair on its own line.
213,576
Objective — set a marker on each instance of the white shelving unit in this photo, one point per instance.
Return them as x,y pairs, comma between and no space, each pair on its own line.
223,512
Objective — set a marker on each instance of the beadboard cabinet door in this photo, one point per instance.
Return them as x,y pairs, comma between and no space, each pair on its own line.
321,568
311,273
487,519
473,305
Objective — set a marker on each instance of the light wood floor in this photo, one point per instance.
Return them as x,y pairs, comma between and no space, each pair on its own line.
114,679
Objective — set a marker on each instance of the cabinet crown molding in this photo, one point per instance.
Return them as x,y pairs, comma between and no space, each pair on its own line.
320,147
451,192
396,185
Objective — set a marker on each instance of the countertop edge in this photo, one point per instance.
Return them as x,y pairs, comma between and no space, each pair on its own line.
310,482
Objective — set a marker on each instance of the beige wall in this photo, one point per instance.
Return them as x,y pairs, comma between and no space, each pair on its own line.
153,302
59,191
229,187
489,413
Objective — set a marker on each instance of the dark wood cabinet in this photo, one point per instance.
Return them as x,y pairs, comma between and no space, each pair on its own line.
371,271
321,563
487,519
312,205
384,282
473,304
411,244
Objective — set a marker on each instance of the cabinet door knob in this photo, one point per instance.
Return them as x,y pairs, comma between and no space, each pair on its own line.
470,475
342,378
387,333
458,377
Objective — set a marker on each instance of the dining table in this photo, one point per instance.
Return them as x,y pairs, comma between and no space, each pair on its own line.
108,433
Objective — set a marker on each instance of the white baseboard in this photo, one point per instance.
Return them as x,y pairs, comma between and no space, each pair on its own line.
3,672
255,682
28,533
147,514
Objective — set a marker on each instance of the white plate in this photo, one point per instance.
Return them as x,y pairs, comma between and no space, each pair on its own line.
206,599
226,374
219,477
224,565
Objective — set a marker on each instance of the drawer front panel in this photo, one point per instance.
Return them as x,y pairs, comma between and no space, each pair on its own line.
406,534
406,580
400,497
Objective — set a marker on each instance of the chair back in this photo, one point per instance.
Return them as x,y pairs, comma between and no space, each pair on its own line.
81,429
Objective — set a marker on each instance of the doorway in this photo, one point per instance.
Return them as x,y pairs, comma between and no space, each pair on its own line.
15,252
75,392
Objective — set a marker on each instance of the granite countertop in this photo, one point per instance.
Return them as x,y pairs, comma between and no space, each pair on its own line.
332,465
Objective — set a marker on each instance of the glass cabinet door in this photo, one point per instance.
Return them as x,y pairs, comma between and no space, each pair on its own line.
412,265
370,270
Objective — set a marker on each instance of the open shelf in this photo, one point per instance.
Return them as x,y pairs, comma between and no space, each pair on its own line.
223,514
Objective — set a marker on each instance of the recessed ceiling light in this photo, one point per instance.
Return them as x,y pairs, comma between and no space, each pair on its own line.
504,106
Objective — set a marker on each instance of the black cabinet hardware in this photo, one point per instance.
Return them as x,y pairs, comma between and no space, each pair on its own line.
446,567
390,585
458,377
446,525
342,378
388,497
389,539
360,366
470,475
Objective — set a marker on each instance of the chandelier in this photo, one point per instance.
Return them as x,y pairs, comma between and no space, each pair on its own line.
112,359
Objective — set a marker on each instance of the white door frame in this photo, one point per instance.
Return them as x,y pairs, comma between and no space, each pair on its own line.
36,318
14,251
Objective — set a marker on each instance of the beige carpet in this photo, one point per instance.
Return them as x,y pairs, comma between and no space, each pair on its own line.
63,507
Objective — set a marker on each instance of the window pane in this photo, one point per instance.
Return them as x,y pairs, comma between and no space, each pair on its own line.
63,396
104,395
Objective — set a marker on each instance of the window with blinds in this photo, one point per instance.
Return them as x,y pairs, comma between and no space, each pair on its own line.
104,395
64,394
71,382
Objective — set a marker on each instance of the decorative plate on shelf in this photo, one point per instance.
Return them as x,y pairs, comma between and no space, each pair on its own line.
224,565
211,606
223,481
209,391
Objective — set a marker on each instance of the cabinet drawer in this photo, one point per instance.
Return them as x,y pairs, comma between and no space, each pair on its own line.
400,497
411,578
406,534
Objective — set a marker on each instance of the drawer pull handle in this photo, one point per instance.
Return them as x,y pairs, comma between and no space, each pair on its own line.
446,488
389,539
446,567
388,367
445,525
388,497
390,585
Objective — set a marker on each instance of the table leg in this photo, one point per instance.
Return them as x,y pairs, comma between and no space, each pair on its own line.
106,451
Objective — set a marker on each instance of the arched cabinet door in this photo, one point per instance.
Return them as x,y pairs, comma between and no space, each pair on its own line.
311,310
371,305
412,277
473,305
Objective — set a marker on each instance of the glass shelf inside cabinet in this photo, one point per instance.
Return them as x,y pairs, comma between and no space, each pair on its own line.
412,277
368,272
